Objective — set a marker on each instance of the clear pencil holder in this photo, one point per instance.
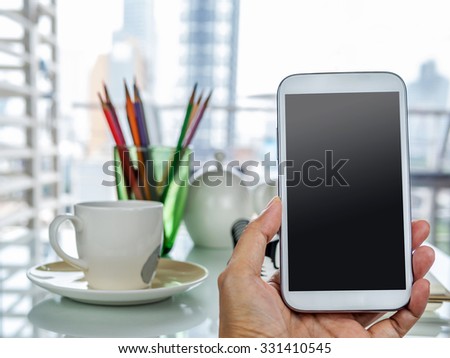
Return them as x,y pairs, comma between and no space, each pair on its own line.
142,174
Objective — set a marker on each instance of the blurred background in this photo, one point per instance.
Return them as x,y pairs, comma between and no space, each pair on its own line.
54,56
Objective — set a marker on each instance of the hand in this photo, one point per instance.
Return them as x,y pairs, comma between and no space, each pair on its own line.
251,307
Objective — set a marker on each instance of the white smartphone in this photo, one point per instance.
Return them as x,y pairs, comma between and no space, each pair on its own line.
344,184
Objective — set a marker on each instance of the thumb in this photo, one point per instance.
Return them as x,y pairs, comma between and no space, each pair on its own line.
248,256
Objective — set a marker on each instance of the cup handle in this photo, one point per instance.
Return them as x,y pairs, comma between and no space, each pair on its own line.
53,232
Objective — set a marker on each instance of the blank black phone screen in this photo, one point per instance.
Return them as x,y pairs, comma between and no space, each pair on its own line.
345,220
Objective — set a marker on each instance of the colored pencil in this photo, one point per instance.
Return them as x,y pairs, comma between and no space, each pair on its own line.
139,109
194,126
140,125
173,167
129,175
137,143
194,112
131,117
113,114
145,141
109,120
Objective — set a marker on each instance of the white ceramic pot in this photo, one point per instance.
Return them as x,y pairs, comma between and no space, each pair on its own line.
215,201
262,194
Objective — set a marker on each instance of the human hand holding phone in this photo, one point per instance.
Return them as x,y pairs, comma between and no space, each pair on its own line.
251,307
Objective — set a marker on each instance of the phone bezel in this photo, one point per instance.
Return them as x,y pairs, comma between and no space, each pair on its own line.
344,82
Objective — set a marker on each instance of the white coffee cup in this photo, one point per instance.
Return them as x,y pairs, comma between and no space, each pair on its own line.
118,242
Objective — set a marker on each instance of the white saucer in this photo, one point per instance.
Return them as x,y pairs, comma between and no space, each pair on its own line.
172,277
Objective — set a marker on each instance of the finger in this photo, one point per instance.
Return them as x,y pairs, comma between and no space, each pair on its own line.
420,230
275,277
274,281
401,322
423,259
406,318
248,255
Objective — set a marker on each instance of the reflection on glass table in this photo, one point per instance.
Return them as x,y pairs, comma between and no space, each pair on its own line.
38,313
74,319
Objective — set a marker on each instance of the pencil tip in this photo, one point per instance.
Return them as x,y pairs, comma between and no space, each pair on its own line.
191,100
100,97
106,92
200,98
127,93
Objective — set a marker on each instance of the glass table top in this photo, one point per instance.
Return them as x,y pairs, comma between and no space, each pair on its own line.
29,311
